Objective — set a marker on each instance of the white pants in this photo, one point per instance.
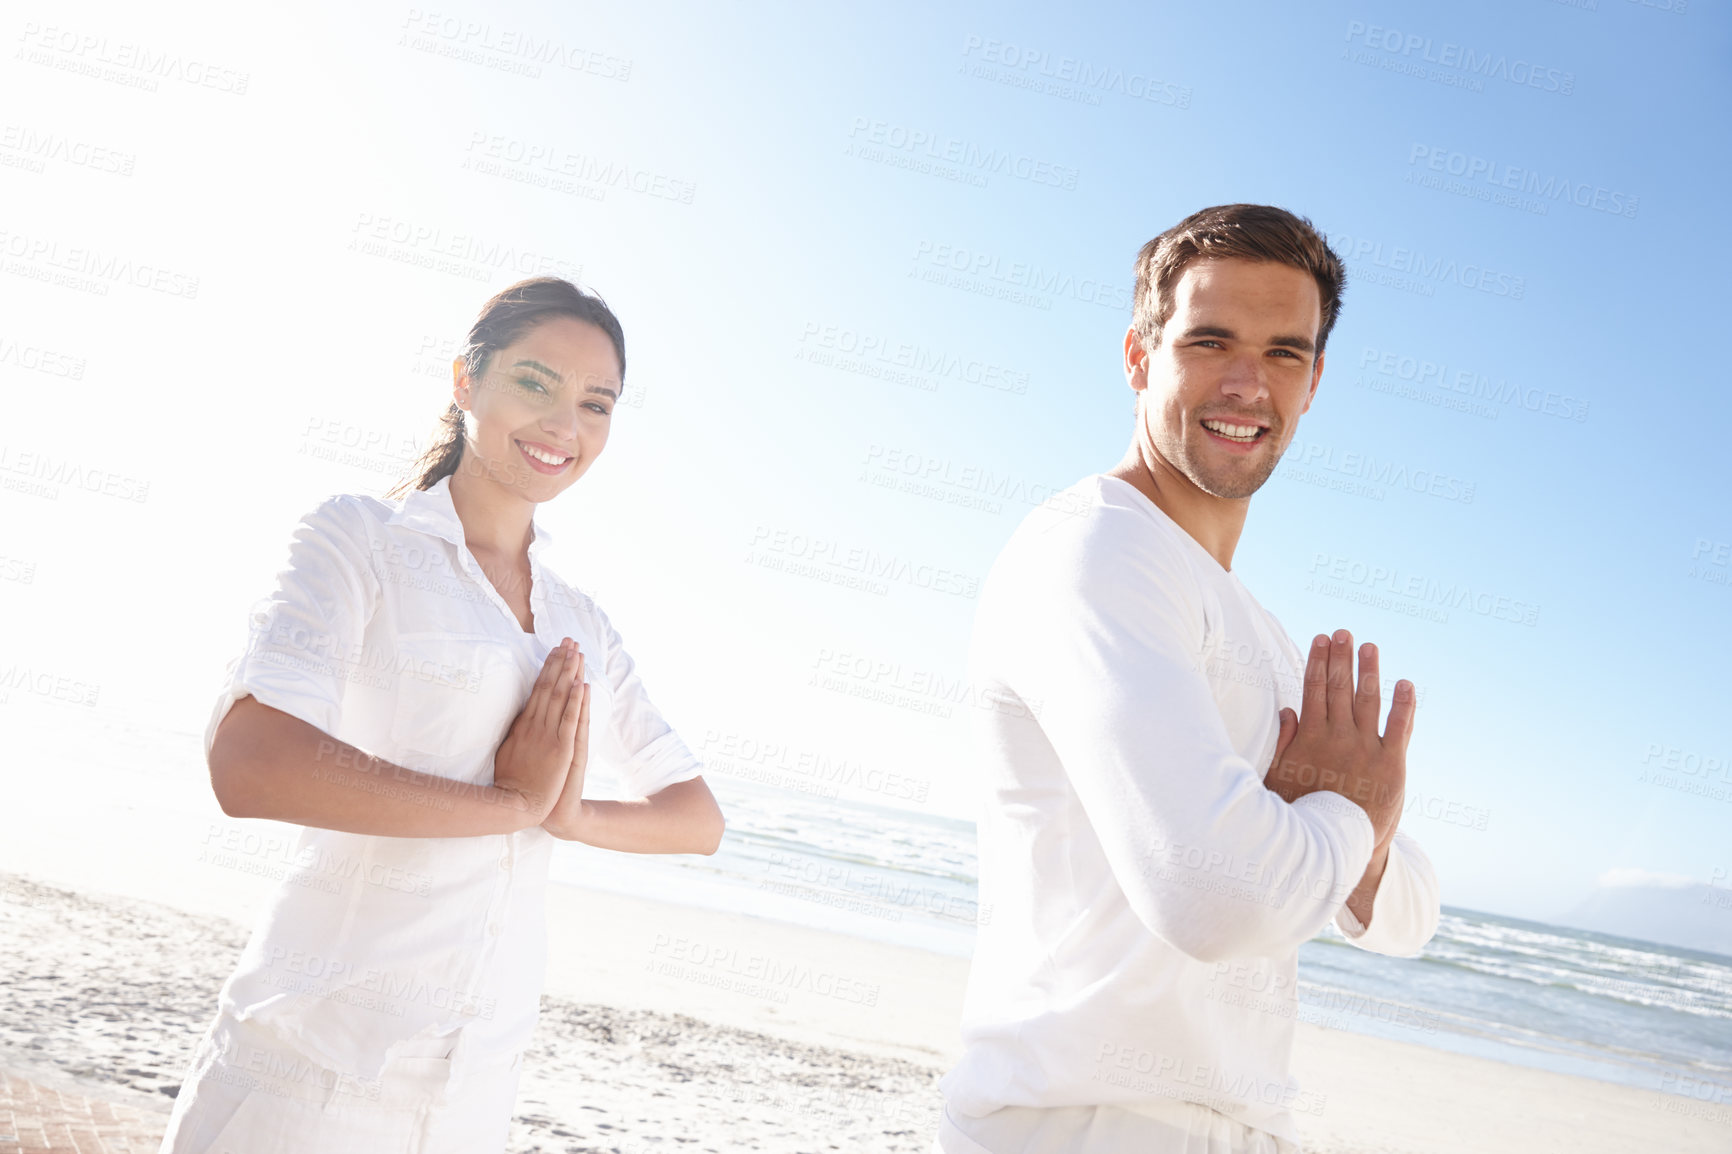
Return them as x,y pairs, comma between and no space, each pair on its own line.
249,1093
1187,1128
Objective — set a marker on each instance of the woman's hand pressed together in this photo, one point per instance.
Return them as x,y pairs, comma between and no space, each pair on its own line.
536,757
565,820
678,818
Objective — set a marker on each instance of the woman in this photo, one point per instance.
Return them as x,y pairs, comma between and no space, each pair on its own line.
388,990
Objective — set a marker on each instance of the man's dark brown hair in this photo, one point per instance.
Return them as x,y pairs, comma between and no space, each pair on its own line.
1246,231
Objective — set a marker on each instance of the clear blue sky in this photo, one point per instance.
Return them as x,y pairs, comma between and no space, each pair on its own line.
776,195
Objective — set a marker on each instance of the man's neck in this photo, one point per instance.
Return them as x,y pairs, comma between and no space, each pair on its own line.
1213,522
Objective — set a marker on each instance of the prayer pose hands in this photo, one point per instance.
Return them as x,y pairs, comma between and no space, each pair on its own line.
1334,743
566,818
548,742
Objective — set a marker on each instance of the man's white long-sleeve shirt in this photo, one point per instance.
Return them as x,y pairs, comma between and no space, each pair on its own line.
1143,896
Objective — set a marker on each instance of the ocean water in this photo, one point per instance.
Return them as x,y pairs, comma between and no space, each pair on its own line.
891,875
1636,1013
1645,1015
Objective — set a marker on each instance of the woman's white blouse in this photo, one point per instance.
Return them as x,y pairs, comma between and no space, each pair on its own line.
384,633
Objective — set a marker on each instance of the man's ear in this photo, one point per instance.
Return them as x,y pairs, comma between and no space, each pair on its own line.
1136,361
1316,376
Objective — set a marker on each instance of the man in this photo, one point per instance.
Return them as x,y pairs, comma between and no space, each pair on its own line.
1170,810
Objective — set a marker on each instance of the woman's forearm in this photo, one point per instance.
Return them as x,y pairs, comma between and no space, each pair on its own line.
270,764
682,818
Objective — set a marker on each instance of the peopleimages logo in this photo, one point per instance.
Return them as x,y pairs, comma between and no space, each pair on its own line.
505,49
1072,77
1378,472
924,360
969,156
1472,384
549,165
1415,594
135,65
37,147
1460,58
989,268
41,360
462,254
1500,175
89,269
1418,269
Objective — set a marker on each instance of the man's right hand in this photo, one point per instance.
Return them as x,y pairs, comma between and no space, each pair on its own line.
535,757
1334,745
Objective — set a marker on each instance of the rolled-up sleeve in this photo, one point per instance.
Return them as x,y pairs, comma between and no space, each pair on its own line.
304,639
1109,639
648,755
1406,907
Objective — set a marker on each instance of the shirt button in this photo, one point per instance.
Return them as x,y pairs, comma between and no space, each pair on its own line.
504,863
493,930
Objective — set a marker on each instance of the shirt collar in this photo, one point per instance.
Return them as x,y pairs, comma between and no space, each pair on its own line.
430,510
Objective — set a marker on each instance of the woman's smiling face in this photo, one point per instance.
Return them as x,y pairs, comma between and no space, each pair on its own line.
540,408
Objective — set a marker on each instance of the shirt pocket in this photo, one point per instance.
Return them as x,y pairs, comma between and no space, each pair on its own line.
456,698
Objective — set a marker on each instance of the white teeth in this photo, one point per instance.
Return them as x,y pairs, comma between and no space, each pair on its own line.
544,458
1236,432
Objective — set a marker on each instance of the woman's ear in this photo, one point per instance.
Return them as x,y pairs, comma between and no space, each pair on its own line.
460,382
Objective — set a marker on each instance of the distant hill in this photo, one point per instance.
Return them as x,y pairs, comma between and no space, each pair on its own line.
1673,911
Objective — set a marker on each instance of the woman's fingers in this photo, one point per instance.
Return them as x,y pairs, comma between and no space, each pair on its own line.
572,710
580,744
536,707
559,698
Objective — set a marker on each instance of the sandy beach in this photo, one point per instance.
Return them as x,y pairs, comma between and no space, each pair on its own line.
108,996
647,1043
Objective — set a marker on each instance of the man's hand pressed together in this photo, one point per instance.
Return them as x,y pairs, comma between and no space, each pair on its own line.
1335,746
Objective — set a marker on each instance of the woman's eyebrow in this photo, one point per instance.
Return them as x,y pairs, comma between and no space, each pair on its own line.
591,388
537,365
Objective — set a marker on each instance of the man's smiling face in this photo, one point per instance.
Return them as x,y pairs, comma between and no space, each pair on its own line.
1236,365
